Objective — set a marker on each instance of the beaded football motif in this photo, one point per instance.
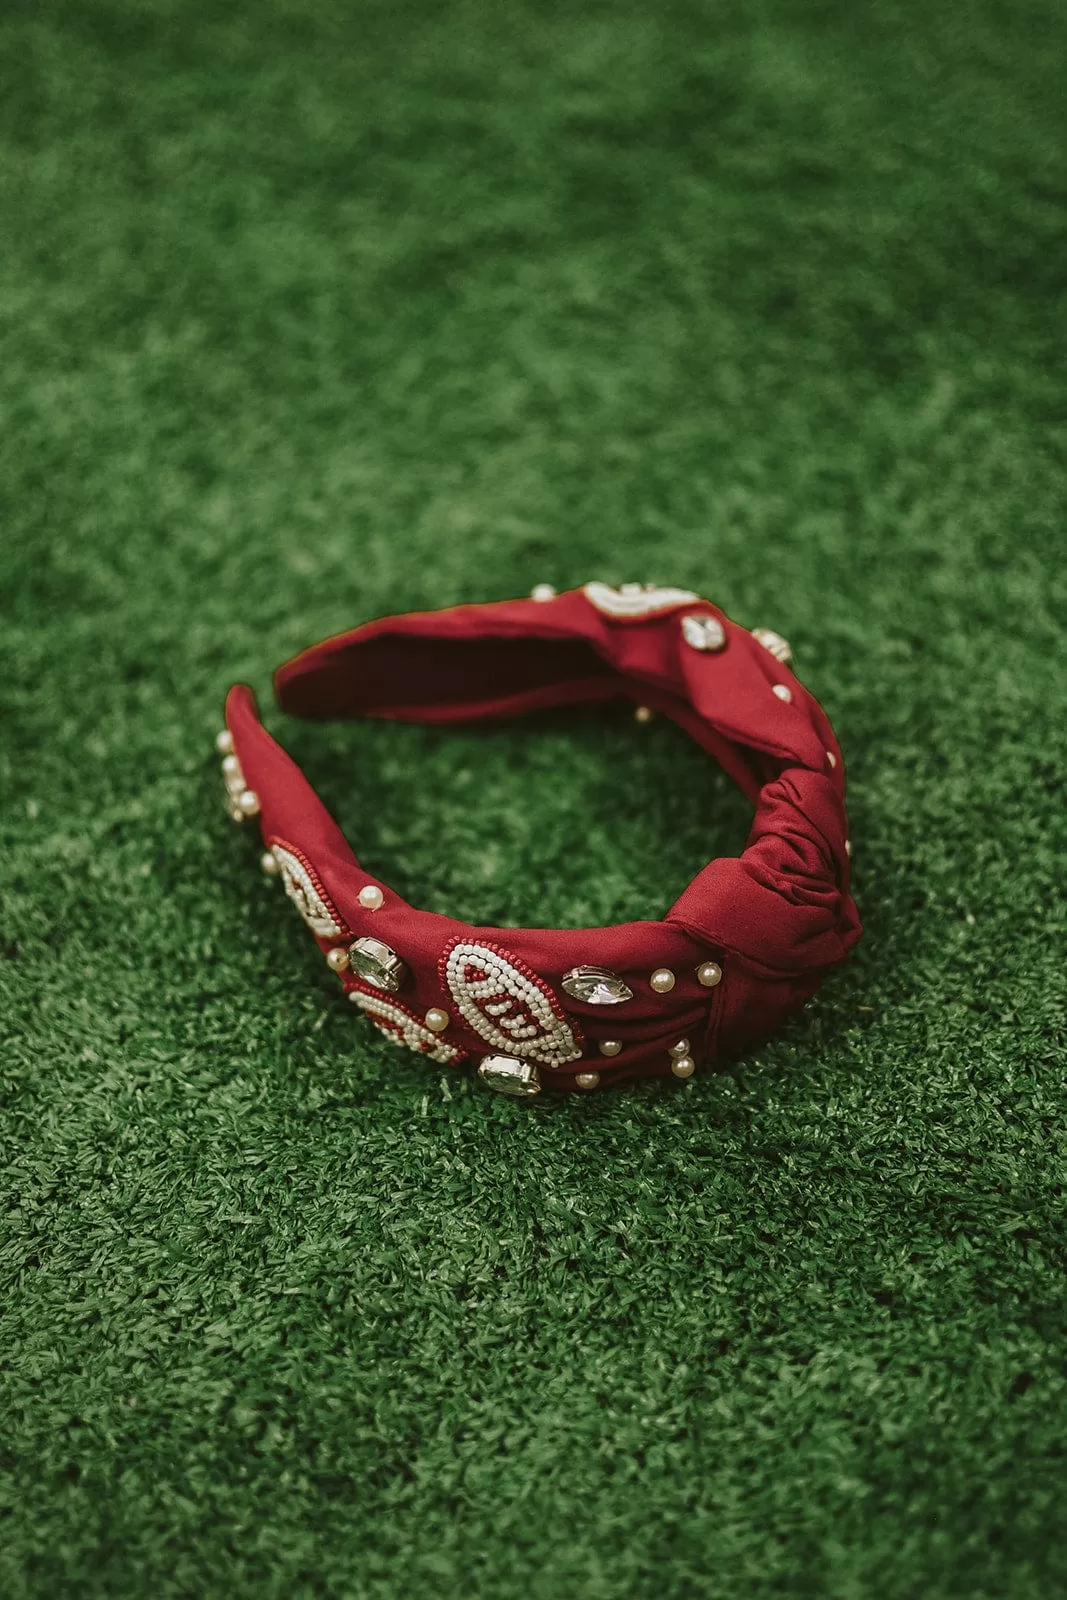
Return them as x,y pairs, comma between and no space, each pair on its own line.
636,599
508,1005
302,885
399,1025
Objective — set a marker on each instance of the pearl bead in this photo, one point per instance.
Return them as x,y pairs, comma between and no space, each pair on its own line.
609,1047
370,897
783,692
848,848
684,1067
631,588
230,766
643,714
337,959
587,1080
709,973
542,591
269,862
832,759
662,980
680,1049
224,742
436,1019
248,801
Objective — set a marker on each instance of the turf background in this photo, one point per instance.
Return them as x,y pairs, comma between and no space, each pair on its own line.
314,312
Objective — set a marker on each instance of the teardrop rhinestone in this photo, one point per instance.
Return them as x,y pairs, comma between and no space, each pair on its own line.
596,986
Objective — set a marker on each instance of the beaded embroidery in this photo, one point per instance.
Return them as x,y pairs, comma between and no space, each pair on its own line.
635,600
403,1027
507,1004
302,885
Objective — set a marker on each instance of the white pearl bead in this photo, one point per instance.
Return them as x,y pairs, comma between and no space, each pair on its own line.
848,848
783,692
684,1067
662,980
587,1080
631,588
643,714
224,742
542,591
680,1049
609,1047
832,759
371,897
230,766
337,959
248,801
269,862
709,973
436,1019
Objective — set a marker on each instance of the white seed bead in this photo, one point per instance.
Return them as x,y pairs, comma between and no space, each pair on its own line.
248,801
832,759
370,897
587,1080
631,588
269,862
437,1019
709,973
662,980
683,1067
680,1049
224,742
783,692
337,959
230,766
609,1047
643,714
542,591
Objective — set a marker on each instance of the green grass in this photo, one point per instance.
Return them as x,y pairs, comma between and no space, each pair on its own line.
314,312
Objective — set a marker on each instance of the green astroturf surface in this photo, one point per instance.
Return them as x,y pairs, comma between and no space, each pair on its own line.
313,312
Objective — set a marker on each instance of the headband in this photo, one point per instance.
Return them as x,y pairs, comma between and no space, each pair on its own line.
745,945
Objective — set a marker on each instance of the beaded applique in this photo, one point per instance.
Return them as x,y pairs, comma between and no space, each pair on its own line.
508,1005
635,600
403,1027
304,888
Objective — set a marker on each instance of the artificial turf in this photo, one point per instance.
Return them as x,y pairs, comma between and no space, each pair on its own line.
314,312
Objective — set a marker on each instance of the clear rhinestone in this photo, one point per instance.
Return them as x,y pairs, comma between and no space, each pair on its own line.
780,648
376,963
508,1076
597,986
703,633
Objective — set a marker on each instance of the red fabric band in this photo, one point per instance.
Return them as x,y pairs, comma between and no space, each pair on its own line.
775,920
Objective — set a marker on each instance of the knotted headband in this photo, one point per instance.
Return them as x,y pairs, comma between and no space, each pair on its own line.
746,944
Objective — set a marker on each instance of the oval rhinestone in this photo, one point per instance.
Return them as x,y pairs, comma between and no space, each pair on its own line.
596,986
507,1075
703,633
376,963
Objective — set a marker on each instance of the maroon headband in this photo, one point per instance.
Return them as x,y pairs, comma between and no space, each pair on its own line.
746,944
